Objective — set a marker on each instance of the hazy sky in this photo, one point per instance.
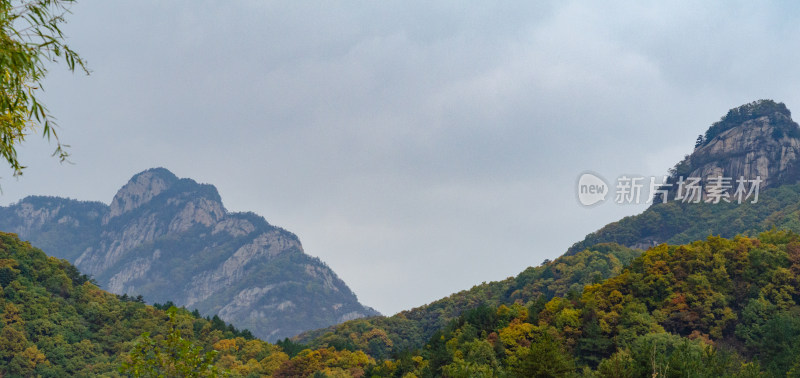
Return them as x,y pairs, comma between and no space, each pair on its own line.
418,148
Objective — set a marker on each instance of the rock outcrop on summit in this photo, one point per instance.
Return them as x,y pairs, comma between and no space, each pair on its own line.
756,140
171,239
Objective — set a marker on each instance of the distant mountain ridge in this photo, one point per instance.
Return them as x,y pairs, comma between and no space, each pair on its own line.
171,239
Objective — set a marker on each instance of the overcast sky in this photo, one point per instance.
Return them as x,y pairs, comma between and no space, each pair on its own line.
418,148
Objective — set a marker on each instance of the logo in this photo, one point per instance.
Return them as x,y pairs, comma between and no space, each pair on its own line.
592,189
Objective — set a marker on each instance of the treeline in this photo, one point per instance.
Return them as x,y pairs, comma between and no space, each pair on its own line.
384,336
55,322
678,223
720,307
778,114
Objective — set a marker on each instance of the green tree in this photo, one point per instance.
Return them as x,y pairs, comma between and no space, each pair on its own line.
546,357
30,37
173,356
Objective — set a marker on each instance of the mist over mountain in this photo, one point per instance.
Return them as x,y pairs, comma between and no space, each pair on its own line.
171,239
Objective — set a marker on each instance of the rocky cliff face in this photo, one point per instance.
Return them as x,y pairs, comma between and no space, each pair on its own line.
171,239
756,140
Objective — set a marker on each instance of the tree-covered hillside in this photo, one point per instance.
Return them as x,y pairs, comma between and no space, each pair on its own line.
382,336
758,139
676,223
721,307
593,260
55,322
171,239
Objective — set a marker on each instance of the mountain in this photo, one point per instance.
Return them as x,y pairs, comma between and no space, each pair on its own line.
411,329
607,308
710,307
714,308
756,139
171,239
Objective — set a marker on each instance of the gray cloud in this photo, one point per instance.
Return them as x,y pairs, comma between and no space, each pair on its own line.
417,148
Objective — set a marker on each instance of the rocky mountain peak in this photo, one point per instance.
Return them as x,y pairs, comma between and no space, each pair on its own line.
170,239
141,188
755,140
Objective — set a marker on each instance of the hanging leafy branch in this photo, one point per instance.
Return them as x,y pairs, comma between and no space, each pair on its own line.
30,38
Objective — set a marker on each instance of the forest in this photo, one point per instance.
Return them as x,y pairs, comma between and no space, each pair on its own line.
718,307
676,291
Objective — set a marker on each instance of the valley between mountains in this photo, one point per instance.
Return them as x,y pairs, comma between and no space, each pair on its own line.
682,289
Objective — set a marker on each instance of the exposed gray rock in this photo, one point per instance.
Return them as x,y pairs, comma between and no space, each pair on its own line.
758,140
137,269
34,218
754,141
749,150
233,227
171,239
114,244
140,190
266,245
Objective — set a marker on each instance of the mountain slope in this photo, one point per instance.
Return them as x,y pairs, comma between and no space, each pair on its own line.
54,322
713,308
171,239
408,330
755,139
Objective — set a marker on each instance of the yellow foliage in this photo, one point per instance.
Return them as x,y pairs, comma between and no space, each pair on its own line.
273,362
389,365
11,315
615,297
554,305
253,348
12,341
31,356
251,366
517,333
376,333
228,362
336,372
226,345
516,311
568,317
8,263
